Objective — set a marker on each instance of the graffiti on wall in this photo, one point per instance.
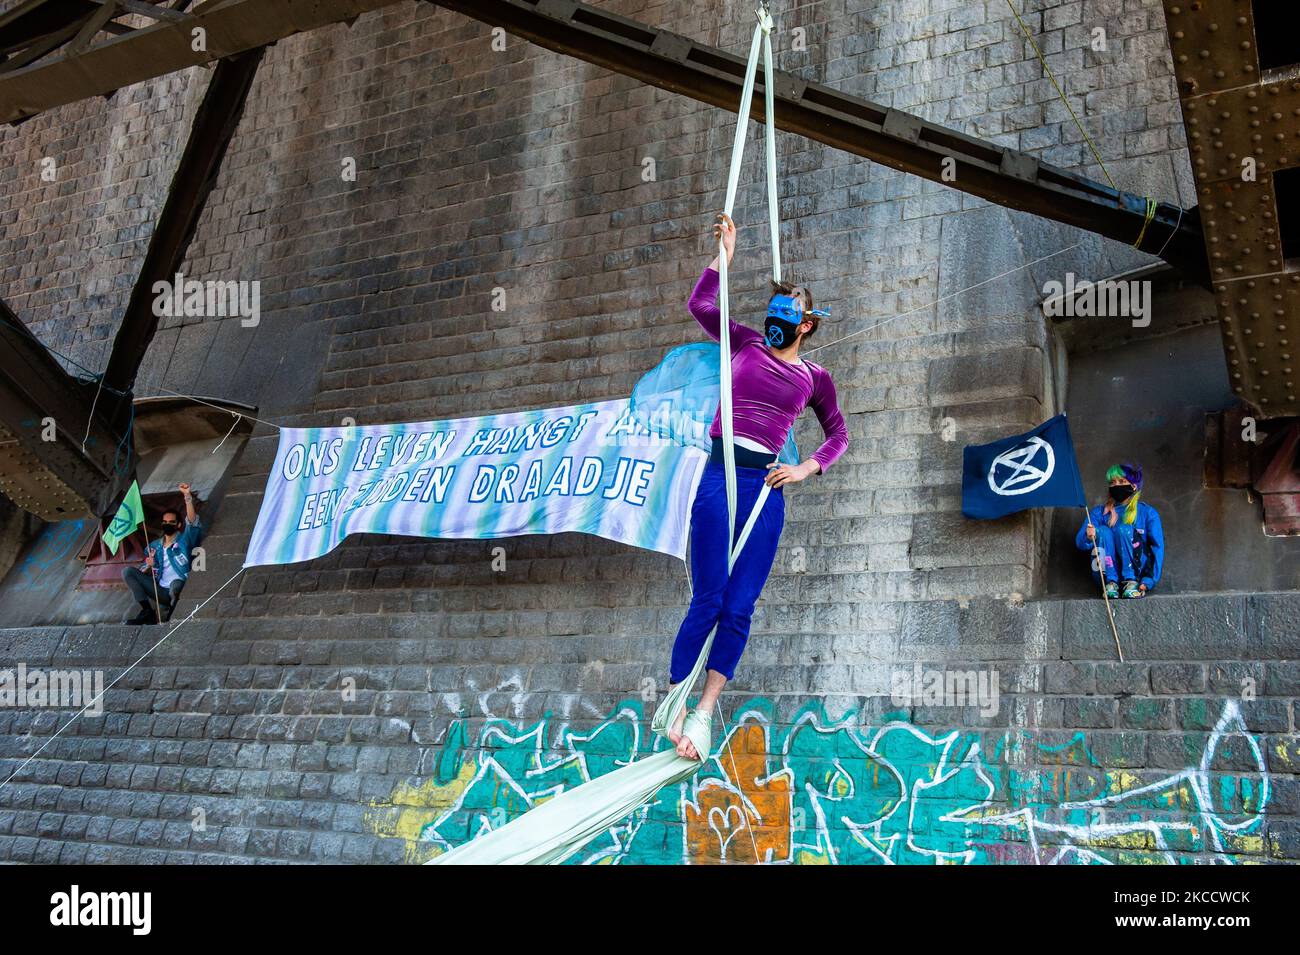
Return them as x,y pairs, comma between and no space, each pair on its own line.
816,789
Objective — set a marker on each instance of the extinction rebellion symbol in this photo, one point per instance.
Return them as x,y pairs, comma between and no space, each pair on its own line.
124,521
1022,469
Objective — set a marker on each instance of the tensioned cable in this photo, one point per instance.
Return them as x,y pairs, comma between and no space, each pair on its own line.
117,679
89,374
944,298
1151,204
1061,93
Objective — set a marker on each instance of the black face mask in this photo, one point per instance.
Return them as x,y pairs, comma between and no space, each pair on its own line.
169,527
781,327
1121,493
780,333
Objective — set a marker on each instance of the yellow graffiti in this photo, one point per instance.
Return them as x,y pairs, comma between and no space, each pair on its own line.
409,809
1282,752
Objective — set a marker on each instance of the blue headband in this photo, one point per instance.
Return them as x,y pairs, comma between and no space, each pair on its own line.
783,307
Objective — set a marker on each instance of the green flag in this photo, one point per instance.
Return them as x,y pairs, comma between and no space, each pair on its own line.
128,517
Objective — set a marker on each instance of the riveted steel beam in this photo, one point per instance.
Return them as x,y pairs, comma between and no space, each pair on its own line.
44,413
663,59
227,27
1243,130
58,480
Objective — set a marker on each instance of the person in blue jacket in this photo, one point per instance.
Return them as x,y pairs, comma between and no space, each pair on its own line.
166,565
1128,536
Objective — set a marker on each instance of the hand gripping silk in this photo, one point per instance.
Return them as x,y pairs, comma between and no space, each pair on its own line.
561,826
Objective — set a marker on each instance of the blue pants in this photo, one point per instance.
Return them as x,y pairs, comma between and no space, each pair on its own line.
1116,547
716,599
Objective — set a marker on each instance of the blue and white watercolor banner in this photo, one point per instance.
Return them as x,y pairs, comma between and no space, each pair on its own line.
592,468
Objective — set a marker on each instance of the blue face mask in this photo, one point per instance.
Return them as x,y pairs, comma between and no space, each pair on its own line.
784,316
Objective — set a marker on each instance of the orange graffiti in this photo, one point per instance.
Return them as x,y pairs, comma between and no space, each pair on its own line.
719,825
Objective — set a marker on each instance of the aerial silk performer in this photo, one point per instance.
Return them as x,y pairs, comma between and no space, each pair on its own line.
770,386
770,396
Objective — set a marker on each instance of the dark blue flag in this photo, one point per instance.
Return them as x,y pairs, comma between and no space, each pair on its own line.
1034,469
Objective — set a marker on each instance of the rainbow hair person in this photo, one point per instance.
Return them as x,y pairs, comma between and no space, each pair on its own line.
1132,550
1133,474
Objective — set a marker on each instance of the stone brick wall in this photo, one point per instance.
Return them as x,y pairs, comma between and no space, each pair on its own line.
522,170
232,741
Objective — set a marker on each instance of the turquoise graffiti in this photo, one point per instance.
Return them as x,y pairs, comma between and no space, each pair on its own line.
816,789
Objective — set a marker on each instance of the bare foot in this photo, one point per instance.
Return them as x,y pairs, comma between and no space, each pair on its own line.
686,748
684,745
675,731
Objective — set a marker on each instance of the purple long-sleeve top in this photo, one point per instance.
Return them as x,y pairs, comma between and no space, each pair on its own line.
768,394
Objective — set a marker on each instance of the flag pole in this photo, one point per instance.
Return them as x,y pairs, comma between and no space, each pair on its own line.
1096,551
1101,572
153,571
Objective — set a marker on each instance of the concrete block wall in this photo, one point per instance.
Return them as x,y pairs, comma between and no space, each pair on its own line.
522,171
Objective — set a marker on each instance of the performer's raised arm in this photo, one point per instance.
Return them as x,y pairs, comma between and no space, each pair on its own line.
703,302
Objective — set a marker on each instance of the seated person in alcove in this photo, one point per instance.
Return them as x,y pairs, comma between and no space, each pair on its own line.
1128,536
166,566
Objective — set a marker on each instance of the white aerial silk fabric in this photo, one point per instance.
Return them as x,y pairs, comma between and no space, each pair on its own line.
553,831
